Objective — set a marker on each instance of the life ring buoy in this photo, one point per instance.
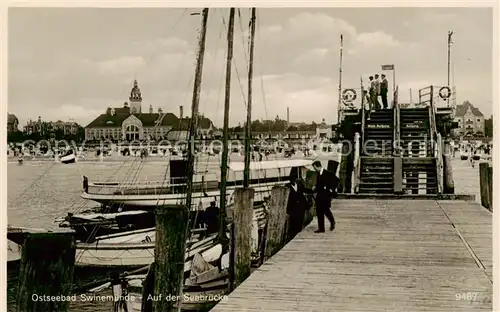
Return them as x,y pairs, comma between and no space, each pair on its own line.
349,96
444,93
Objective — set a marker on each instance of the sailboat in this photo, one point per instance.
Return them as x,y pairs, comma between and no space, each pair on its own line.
206,263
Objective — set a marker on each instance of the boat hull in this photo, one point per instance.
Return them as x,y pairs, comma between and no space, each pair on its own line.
69,159
138,249
153,200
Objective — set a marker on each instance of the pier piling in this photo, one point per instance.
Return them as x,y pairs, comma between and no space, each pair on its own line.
241,253
46,272
276,224
170,248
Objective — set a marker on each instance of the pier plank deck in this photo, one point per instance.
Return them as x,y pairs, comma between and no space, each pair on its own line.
384,255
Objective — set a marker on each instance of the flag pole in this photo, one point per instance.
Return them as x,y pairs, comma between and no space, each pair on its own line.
393,85
450,33
340,78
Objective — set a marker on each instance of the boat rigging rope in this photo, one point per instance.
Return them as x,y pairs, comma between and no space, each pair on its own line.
141,164
33,183
131,158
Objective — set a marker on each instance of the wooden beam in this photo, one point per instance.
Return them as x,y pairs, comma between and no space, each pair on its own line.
242,231
398,175
276,223
170,250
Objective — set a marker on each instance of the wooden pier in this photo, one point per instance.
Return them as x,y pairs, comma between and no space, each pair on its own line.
384,255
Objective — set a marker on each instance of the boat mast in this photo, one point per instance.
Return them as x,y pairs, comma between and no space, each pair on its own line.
193,125
225,136
248,136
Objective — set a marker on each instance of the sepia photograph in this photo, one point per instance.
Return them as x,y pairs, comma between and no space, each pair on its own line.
185,159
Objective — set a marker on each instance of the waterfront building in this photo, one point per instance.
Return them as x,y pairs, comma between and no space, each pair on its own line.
324,131
12,123
130,123
470,120
46,128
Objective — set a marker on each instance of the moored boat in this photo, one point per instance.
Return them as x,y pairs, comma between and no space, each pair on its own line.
68,158
263,176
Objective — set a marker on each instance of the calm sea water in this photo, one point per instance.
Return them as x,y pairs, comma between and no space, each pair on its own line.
40,191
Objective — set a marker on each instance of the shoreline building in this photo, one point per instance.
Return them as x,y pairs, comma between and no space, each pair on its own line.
130,123
470,120
12,123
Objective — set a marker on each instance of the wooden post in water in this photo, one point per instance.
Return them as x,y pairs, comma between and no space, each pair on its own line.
276,223
448,183
170,249
485,179
47,266
242,235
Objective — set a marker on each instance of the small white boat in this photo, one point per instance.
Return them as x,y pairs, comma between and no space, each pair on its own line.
136,248
68,158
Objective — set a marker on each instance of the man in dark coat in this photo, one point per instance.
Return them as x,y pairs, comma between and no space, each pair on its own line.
211,217
326,185
384,86
296,207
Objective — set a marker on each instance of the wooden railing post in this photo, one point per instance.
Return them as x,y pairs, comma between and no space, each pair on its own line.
46,273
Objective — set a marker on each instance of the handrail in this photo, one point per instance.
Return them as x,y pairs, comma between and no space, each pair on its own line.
436,142
356,173
397,126
362,118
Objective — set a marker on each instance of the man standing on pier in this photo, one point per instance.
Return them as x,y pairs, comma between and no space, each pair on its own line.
383,92
377,90
326,185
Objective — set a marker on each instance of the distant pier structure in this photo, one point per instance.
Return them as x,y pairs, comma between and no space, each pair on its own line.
399,150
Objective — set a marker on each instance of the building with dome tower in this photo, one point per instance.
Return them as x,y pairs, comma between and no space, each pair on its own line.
129,122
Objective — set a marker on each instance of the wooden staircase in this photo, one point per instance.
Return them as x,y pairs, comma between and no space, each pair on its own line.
379,134
385,167
415,135
376,172
376,175
419,175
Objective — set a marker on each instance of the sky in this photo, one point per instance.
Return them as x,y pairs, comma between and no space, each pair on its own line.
74,63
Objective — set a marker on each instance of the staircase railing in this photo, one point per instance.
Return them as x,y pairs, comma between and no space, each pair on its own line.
363,116
356,173
436,142
397,129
